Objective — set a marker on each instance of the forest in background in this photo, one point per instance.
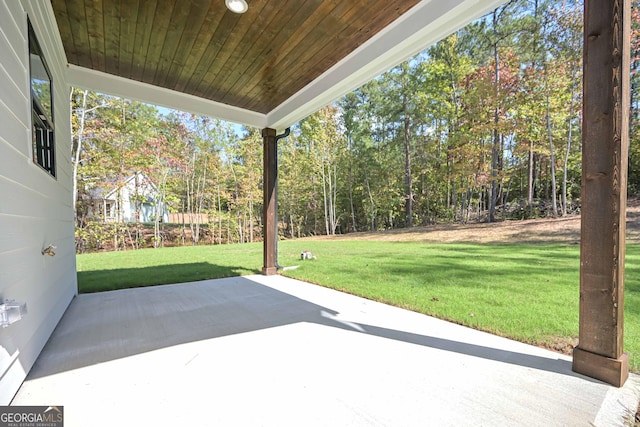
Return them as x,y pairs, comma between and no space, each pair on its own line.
482,126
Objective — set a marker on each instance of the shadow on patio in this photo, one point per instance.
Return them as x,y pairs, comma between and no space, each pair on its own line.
111,325
271,350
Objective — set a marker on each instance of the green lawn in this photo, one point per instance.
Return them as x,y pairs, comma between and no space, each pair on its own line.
527,292
146,267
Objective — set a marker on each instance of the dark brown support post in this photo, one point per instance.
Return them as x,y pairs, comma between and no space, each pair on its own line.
270,174
605,147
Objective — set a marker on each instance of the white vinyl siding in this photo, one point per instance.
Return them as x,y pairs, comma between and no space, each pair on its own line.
36,209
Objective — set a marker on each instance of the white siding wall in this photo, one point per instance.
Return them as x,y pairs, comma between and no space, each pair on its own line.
35,208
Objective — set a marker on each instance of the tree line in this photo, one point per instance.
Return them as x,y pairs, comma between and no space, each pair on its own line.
483,126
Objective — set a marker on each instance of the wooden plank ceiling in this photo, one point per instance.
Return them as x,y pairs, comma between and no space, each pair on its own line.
254,61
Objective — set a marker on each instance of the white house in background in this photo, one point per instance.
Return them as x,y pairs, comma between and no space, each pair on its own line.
119,204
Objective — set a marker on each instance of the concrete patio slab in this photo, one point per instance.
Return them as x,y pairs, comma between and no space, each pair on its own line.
273,351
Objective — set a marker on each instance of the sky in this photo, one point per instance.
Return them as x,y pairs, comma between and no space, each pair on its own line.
238,128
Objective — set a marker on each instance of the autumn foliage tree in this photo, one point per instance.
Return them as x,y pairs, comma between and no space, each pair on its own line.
482,126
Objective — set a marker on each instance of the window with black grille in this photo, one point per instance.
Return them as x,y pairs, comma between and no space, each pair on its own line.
41,107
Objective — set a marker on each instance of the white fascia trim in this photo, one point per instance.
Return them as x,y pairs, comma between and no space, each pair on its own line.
425,24
98,81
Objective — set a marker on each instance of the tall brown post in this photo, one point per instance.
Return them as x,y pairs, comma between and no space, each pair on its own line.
270,175
605,147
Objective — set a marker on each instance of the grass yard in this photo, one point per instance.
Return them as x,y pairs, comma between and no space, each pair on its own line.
107,271
527,292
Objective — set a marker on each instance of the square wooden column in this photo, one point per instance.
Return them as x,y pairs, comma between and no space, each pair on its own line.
270,178
605,148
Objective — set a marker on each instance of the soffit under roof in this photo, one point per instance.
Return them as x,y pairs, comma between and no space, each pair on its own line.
254,63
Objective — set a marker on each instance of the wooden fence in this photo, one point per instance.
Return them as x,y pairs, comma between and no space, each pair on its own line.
179,218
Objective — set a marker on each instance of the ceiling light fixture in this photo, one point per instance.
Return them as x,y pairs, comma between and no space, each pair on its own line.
236,6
